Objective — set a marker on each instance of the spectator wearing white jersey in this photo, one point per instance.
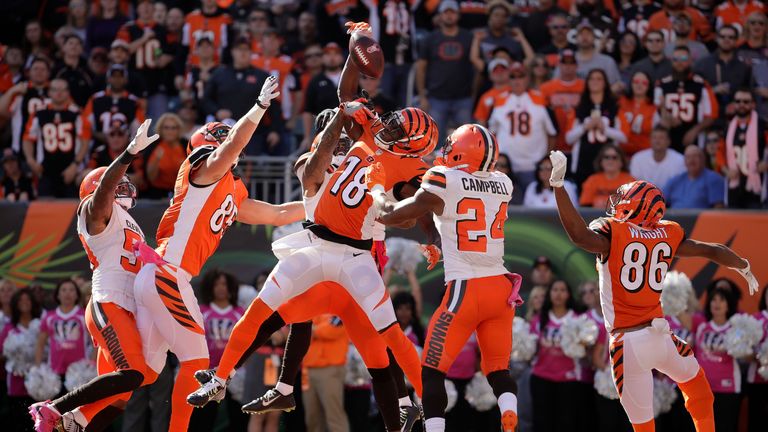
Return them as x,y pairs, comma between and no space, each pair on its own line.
659,163
524,127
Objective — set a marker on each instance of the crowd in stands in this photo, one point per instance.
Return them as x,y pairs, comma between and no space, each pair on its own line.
671,91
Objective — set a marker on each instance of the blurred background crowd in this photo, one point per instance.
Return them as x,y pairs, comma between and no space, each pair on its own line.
674,92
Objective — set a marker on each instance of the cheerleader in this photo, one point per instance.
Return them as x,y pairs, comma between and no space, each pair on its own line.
25,312
757,385
721,369
64,327
218,292
7,288
554,375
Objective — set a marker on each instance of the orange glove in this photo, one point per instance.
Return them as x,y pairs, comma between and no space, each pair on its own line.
357,110
358,27
432,254
375,177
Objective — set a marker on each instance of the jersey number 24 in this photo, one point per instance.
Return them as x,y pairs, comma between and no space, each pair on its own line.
478,242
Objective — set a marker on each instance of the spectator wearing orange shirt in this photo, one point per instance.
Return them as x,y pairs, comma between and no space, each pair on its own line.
279,65
637,114
11,68
207,22
165,159
735,13
498,71
663,19
562,94
610,173
325,362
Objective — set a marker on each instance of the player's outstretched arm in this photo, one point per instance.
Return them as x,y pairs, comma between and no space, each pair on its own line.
722,255
574,224
350,75
99,208
319,161
225,155
255,212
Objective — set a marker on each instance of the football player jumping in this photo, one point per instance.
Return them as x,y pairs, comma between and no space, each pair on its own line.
635,247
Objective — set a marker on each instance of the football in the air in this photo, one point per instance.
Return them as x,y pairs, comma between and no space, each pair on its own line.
367,55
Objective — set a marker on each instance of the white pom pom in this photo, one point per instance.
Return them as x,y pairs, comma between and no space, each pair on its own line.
743,335
523,341
762,359
404,254
19,349
236,386
605,385
479,393
79,373
357,373
664,395
42,382
576,334
453,395
675,293
245,295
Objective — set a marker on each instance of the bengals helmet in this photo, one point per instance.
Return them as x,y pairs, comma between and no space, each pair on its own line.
639,202
125,192
471,148
410,132
210,134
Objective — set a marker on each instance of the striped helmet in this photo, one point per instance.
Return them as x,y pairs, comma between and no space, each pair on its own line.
410,132
639,202
471,148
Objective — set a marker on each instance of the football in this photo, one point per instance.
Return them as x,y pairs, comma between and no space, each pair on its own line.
367,55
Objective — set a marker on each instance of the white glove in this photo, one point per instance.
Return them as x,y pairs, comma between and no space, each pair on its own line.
559,162
141,140
268,91
746,273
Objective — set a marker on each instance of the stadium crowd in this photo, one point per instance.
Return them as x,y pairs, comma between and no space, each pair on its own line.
673,92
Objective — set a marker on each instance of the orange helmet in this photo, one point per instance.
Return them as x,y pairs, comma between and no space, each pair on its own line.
410,132
125,192
639,202
471,148
210,134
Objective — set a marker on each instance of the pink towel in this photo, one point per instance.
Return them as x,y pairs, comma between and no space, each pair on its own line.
380,253
514,298
146,254
754,184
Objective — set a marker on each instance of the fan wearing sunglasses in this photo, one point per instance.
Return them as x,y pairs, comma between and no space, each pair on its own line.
117,138
745,153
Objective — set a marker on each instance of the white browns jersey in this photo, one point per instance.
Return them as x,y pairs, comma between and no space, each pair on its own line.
522,125
472,224
111,256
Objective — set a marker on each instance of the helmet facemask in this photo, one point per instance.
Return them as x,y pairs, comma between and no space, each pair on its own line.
391,134
125,194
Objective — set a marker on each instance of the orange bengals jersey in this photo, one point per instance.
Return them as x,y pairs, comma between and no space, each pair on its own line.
729,13
198,25
562,97
637,121
632,275
346,207
191,229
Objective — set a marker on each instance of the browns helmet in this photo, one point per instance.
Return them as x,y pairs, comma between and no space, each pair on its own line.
210,134
125,192
638,202
471,148
410,132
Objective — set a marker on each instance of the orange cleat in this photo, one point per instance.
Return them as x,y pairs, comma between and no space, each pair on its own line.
509,421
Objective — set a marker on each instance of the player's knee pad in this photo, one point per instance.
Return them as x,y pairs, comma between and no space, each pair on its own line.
501,382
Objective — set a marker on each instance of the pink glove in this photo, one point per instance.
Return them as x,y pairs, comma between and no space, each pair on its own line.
514,298
146,254
432,254
380,255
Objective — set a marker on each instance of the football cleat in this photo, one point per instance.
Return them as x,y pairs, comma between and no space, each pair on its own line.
213,390
272,400
409,415
44,415
508,421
